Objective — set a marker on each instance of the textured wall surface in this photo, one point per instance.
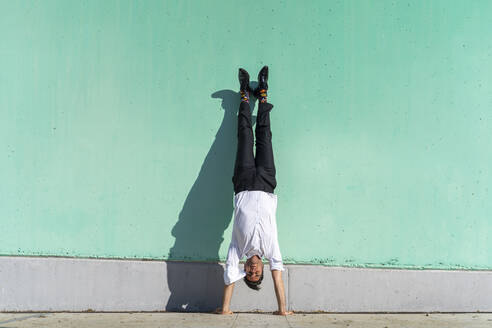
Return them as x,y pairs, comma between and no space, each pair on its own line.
117,128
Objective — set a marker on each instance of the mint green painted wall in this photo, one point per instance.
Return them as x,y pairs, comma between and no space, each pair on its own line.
117,128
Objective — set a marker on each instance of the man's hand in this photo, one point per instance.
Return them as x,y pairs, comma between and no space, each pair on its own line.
219,311
226,301
283,312
279,292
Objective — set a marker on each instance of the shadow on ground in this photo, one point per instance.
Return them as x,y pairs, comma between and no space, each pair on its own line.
206,214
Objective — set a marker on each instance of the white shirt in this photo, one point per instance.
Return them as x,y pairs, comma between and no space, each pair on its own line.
254,232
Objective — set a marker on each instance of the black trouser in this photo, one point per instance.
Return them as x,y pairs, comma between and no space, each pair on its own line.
252,173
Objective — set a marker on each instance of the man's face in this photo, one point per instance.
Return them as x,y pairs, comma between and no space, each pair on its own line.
253,268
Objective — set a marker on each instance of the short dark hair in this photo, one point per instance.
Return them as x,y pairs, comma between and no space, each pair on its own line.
254,284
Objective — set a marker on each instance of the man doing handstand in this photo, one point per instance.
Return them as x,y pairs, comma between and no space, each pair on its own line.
255,228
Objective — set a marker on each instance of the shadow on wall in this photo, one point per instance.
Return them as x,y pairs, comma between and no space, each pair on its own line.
206,214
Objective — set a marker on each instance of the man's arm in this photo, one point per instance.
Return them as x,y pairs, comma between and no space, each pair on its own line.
231,274
279,292
226,300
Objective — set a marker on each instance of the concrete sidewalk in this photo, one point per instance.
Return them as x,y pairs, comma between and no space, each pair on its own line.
149,320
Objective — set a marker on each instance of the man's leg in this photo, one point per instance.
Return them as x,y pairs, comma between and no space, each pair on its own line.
244,168
265,164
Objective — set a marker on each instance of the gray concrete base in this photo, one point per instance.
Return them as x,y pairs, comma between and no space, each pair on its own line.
67,284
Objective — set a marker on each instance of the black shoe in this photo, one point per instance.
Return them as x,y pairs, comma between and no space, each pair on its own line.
243,80
262,81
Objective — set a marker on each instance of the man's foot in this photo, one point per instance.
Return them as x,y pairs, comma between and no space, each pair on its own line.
244,85
261,91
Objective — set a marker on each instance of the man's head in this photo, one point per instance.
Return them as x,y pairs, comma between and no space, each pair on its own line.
254,272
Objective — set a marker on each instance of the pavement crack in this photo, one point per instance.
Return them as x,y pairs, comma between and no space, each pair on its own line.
38,315
288,323
234,322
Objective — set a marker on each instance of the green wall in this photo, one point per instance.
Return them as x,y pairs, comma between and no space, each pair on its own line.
117,128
